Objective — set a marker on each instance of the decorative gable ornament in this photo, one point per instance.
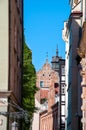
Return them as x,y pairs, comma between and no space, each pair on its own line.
76,1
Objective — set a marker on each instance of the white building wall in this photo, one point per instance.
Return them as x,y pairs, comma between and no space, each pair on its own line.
3,108
4,45
84,10
75,5
67,69
74,37
65,36
35,122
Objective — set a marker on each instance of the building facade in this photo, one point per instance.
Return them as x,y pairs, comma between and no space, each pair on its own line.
82,53
65,37
49,118
78,13
44,80
11,51
58,65
47,82
72,36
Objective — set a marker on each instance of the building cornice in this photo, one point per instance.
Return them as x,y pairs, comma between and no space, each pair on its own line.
76,14
5,94
8,94
43,113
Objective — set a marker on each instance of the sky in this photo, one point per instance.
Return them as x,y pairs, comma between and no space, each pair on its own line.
43,24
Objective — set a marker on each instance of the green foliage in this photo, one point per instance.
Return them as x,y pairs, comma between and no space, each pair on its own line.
29,85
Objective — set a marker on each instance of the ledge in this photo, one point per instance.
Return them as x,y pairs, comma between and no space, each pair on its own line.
76,14
4,94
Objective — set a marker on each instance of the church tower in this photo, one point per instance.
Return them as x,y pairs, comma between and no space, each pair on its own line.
55,61
58,65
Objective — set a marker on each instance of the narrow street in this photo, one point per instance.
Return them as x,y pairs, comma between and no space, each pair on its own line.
43,65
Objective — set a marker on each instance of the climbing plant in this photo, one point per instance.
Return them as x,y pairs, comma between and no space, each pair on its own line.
29,85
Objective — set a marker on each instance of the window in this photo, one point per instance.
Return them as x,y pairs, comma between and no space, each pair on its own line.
56,85
57,66
62,78
53,65
43,75
41,84
63,89
63,70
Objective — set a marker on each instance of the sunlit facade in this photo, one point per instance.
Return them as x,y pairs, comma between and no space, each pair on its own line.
76,75
65,36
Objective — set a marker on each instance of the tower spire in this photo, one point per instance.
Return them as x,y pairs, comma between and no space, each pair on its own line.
46,57
57,50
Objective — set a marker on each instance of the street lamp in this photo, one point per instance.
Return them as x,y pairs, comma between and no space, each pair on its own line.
15,125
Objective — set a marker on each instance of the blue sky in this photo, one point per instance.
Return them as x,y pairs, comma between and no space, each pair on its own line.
43,24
